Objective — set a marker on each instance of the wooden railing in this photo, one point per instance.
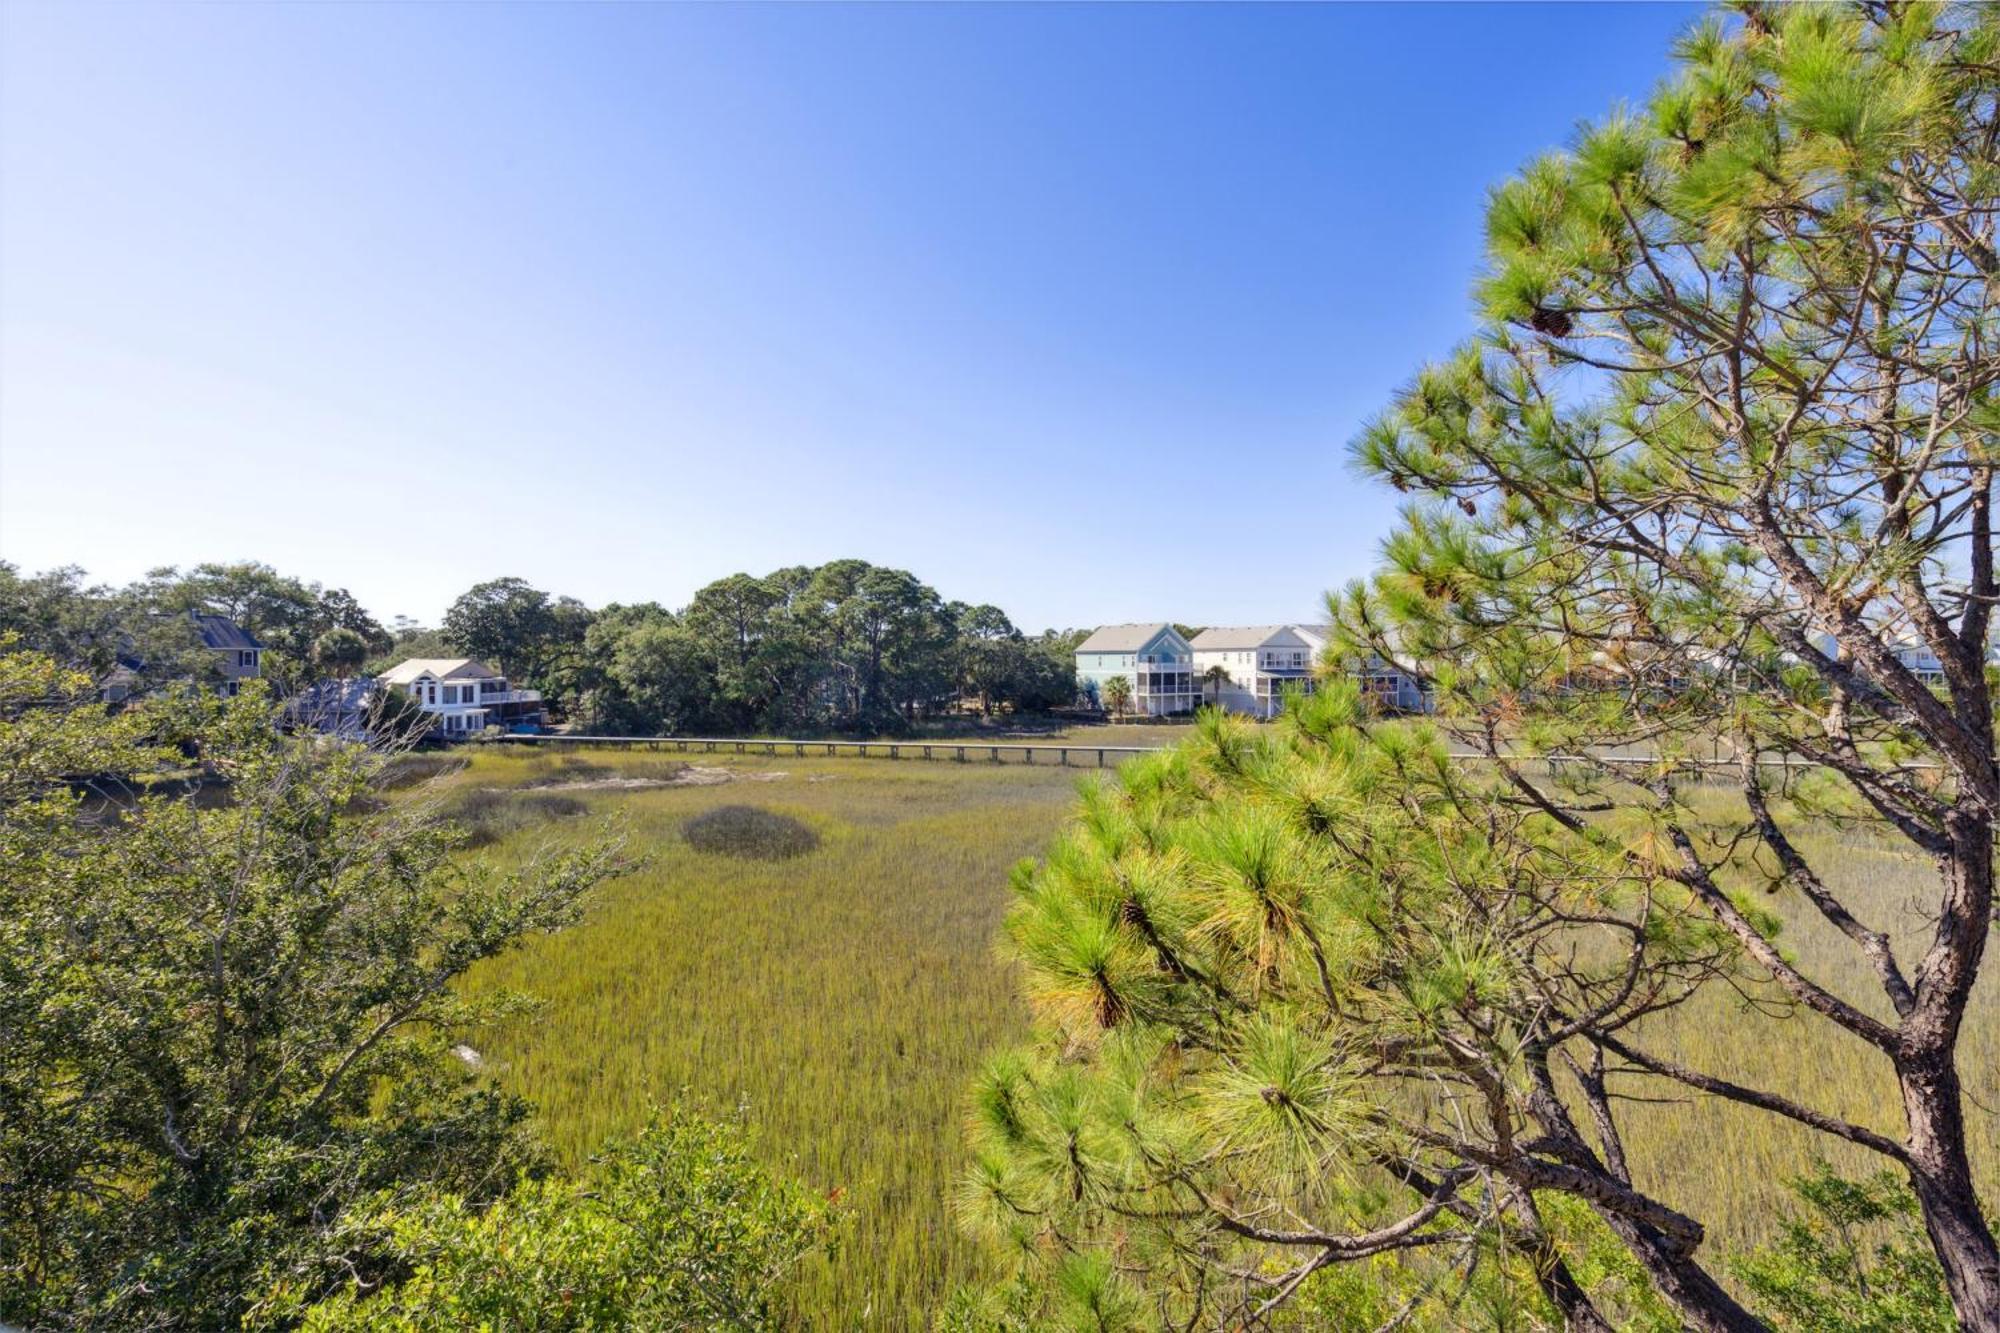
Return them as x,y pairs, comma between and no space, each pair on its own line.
953,750
1060,755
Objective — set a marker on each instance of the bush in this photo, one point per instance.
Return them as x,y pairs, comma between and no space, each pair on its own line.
679,1229
749,832
1852,1259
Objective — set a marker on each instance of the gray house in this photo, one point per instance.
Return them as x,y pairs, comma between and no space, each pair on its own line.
239,657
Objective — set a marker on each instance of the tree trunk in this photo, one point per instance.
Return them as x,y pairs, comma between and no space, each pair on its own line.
1933,1102
1943,1181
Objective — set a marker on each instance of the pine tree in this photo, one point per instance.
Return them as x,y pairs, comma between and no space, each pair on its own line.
1716,481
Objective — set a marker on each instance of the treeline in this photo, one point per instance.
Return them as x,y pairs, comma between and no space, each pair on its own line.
845,646
144,626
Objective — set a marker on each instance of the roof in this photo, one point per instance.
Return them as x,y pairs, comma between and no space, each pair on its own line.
222,633
349,694
1124,638
1229,638
439,668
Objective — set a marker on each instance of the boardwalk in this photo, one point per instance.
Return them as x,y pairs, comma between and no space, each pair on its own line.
1068,753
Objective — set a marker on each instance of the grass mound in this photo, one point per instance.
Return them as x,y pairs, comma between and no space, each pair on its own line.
749,832
488,816
569,769
407,770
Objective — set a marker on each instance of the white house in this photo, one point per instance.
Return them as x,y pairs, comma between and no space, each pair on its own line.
1154,659
1390,688
464,694
1924,664
1911,651
1255,665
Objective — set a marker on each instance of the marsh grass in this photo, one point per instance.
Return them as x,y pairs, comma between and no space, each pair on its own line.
748,831
408,770
847,998
487,816
1728,1165
568,768
530,770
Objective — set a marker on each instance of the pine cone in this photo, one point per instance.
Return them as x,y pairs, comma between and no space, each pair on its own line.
1555,323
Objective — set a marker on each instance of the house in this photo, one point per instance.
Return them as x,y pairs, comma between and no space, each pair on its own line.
335,707
1910,650
238,656
1154,659
1389,688
1925,665
1255,666
465,695
1385,686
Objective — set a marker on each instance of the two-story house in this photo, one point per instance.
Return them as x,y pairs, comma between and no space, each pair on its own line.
1250,668
238,657
465,695
1155,661
1921,661
238,654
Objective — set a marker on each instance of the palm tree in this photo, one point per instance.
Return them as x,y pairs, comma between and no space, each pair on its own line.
340,652
1117,694
1214,679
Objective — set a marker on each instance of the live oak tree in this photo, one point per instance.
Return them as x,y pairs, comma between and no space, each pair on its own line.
224,1021
1716,482
842,646
517,627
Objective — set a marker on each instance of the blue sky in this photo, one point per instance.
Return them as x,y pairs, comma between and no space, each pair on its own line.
1072,309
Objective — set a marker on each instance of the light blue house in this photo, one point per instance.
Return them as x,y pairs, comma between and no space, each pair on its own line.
1156,661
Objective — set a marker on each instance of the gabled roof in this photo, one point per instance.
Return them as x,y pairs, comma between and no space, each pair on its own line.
1232,638
439,668
1124,638
222,633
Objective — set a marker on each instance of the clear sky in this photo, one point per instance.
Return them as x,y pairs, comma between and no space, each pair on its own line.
1072,309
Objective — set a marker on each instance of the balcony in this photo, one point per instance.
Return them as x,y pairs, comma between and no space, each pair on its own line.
510,697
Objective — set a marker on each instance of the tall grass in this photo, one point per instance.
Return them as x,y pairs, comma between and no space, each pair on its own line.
1727,1164
847,994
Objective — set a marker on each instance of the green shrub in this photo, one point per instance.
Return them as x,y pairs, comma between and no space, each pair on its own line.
679,1229
1854,1259
747,831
